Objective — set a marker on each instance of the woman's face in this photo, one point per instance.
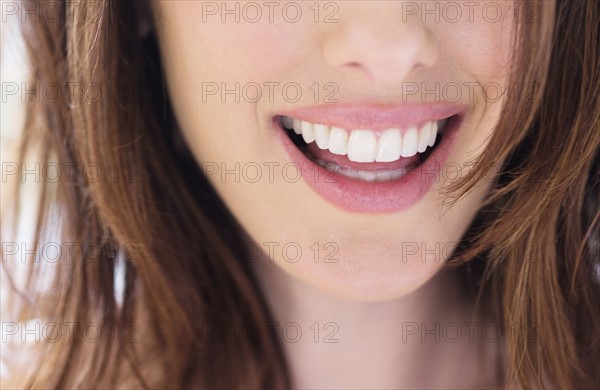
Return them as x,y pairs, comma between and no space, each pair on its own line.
377,78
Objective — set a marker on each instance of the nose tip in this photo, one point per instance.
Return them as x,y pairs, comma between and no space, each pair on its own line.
380,54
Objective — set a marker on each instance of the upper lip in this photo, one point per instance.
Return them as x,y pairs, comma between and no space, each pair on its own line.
376,117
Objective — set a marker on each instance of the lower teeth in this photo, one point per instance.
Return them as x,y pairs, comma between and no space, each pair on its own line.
382,175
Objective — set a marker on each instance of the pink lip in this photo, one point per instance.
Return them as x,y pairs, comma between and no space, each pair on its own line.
375,197
375,117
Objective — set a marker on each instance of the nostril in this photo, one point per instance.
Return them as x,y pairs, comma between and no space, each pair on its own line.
356,67
353,65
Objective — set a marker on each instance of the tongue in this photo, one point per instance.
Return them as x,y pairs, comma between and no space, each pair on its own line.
344,162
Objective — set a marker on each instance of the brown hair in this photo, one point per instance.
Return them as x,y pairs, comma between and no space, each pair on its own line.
532,252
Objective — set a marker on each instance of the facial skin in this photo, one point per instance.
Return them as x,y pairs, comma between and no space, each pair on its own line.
371,52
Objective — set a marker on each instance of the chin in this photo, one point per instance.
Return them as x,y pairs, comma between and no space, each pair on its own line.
368,278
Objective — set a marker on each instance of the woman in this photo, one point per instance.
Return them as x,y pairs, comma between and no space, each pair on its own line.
317,195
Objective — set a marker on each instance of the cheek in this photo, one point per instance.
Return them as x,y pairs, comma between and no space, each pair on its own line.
210,68
480,43
206,47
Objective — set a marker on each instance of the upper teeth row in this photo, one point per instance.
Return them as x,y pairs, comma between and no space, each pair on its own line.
364,145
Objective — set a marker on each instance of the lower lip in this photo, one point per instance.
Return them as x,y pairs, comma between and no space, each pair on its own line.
373,197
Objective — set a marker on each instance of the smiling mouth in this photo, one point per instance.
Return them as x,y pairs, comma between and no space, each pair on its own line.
366,155
370,158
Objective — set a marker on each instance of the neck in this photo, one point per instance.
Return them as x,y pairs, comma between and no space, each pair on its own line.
334,343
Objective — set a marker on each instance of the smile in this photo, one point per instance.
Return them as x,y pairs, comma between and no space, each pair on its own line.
363,146
370,159
367,145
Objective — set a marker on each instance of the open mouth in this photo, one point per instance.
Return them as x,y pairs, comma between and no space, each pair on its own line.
366,155
370,159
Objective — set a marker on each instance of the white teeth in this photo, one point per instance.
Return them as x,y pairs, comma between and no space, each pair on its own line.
367,175
322,136
297,126
409,142
389,146
338,141
433,133
359,174
424,137
350,173
390,175
362,146
308,132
